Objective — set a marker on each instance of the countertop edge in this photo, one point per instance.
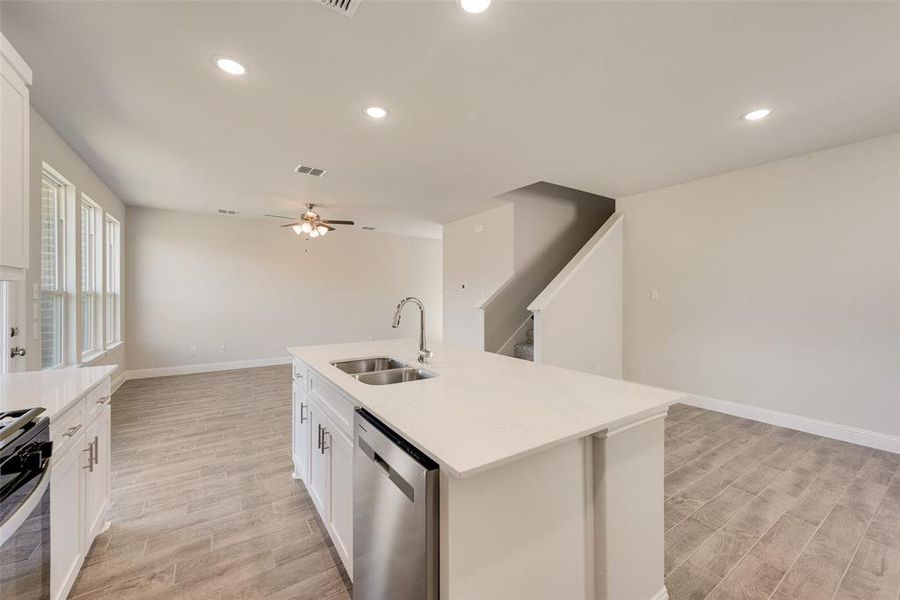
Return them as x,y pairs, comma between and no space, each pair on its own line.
617,425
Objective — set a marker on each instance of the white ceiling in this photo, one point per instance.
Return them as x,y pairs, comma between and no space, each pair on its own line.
611,98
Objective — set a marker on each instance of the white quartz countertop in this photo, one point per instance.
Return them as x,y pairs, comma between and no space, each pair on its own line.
484,410
54,390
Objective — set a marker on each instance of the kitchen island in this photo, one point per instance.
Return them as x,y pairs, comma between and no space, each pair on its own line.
551,480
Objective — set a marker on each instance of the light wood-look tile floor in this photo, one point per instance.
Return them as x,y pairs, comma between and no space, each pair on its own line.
205,508
755,511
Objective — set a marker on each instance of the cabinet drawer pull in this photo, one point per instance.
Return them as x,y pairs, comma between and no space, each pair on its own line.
96,450
72,430
303,408
319,439
324,447
102,399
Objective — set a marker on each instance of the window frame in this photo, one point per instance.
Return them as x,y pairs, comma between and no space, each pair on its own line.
91,283
59,292
112,312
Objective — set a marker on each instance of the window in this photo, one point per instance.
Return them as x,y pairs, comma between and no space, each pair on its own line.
113,282
53,280
90,272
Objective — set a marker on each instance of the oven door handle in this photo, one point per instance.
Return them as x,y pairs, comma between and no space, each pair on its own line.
8,528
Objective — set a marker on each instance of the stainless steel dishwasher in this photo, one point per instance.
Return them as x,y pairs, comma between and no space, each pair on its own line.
395,516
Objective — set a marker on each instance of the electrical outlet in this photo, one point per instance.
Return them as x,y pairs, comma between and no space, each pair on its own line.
193,350
654,294
479,227
221,349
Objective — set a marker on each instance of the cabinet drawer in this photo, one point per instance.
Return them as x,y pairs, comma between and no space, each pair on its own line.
340,406
96,400
66,429
301,375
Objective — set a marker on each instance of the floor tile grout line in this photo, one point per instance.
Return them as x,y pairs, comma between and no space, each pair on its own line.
862,538
809,541
758,539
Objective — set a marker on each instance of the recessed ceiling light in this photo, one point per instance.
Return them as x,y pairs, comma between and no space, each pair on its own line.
474,6
756,115
376,112
230,66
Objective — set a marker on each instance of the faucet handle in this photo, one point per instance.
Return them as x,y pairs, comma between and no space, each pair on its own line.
424,355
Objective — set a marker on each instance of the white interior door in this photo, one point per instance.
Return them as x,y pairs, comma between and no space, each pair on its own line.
11,319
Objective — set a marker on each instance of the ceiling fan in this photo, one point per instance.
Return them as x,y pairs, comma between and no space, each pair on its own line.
311,223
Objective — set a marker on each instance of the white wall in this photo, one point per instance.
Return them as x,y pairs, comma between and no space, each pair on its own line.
48,147
578,318
539,229
551,225
206,281
779,286
478,258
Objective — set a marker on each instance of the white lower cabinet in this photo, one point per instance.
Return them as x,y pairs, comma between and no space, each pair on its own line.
96,487
327,465
79,485
66,510
319,464
301,437
340,451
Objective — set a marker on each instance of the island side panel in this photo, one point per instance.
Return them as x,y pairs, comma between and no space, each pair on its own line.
628,512
520,531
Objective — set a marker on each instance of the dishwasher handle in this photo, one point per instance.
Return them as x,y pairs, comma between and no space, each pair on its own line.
402,484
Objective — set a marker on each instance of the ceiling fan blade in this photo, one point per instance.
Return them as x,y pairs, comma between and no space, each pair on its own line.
333,222
281,217
290,224
329,228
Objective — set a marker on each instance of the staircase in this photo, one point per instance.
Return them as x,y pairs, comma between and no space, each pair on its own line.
525,350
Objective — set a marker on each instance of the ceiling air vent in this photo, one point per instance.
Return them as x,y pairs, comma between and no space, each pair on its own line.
307,170
345,7
223,211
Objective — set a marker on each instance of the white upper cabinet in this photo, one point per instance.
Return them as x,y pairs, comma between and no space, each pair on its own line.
15,79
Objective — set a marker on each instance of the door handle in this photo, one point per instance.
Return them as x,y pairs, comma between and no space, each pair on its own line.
16,351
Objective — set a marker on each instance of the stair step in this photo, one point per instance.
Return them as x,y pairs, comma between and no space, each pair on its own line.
524,351
529,335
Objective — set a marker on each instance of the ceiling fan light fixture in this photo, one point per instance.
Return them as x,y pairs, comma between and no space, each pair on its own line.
314,234
321,229
306,227
297,229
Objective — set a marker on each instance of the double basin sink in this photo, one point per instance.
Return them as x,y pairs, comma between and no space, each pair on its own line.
381,370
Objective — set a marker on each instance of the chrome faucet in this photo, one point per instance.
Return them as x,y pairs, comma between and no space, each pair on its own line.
424,353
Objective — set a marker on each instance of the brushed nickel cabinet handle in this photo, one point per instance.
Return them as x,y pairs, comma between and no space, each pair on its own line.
96,450
324,433
102,399
302,408
90,451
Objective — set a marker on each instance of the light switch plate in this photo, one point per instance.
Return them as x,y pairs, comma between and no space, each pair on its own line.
479,227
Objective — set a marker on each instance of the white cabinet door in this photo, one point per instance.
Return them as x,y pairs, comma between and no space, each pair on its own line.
66,518
96,489
302,433
14,148
340,450
319,465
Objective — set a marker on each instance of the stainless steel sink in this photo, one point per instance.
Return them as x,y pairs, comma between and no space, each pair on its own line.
394,376
368,365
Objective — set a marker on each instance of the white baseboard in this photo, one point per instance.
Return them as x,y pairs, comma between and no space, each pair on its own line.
844,433
206,367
